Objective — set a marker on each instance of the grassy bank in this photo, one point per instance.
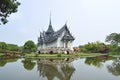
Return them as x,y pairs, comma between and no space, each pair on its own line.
88,54
59,55
1,54
62,55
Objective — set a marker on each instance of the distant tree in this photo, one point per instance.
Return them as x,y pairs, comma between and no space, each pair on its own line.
6,8
113,38
29,46
3,46
12,47
93,47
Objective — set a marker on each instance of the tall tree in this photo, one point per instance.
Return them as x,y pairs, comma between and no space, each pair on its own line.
12,47
6,8
3,46
29,46
113,38
93,47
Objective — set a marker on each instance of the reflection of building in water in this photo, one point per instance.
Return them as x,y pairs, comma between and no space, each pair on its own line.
56,60
55,70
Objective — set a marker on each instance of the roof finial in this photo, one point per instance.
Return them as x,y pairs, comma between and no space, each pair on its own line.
66,22
50,18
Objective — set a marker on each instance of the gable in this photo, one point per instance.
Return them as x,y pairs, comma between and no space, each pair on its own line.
51,36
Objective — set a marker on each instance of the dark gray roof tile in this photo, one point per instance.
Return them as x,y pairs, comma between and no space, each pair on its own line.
51,36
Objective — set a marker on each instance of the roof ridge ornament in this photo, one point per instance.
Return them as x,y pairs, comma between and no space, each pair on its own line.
50,19
50,28
66,22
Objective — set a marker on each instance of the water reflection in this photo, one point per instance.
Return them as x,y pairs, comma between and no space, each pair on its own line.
7,59
97,61
28,64
61,69
89,68
115,67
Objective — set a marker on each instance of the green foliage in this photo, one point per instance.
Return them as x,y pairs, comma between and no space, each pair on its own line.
113,38
6,8
29,46
1,54
29,54
12,47
3,46
93,47
113,50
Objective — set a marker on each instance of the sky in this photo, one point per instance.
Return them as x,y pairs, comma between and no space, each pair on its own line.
88,20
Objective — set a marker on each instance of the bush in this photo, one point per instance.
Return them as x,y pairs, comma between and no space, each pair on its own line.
29,46
94,47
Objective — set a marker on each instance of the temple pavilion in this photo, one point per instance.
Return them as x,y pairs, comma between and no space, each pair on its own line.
51,41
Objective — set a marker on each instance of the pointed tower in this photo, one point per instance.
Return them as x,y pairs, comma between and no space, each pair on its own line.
50,29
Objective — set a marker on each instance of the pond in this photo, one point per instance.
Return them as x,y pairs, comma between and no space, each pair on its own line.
89,68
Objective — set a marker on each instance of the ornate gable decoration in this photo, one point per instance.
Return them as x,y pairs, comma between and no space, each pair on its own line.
50,35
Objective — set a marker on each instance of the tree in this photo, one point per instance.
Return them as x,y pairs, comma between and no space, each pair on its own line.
6,8
12,47
93,47
3,46
113,38
29,46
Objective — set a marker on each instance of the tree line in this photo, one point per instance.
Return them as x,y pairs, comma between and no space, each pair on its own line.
28,47
91,47
98,47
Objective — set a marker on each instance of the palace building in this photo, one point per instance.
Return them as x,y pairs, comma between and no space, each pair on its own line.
51,41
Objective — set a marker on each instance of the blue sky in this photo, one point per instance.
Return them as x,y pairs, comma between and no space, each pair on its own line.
88,20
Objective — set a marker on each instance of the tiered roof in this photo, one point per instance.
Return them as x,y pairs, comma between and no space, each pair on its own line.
50,35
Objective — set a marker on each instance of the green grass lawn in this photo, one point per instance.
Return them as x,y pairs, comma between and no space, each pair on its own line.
63,55
88,54
1,54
